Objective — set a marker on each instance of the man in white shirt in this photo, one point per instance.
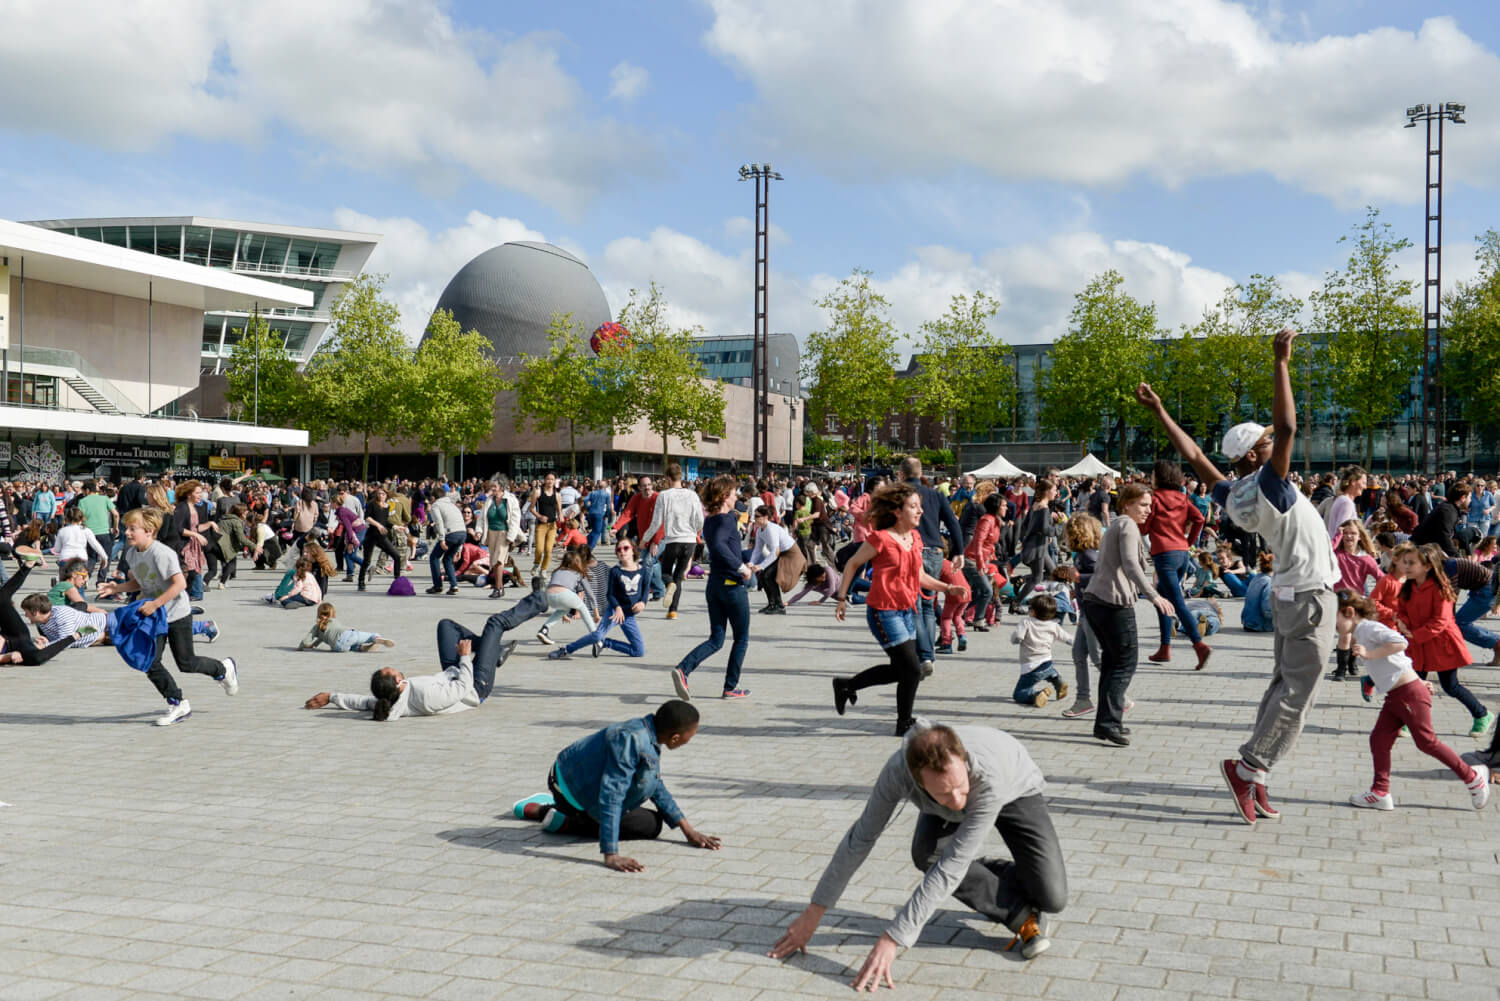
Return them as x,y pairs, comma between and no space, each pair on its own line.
679,514
771,543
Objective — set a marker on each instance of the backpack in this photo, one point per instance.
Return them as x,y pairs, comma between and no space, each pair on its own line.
401,588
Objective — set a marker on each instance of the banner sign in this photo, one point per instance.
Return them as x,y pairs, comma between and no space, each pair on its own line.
225,463
4,453
4,308
180,454
109,451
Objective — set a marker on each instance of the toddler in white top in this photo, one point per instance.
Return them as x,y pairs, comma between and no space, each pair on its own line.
1035,635
1408,702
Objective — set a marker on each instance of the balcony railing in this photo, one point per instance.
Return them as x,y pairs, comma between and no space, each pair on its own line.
65,359
272,269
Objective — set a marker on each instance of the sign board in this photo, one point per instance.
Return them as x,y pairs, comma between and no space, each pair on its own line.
225,463
4,453
690,469
4,308
179,453
122,453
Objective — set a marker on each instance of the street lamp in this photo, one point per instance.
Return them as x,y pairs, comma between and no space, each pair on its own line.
762,175
1433,416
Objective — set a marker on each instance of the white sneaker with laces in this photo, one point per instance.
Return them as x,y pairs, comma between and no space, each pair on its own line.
1371,801
1479,789
231,679
175,714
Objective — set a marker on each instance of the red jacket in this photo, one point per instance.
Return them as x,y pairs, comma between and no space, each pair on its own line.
1387,595
1435,643
982,546
1174,521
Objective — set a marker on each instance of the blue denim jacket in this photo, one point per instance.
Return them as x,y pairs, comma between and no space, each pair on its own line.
613,771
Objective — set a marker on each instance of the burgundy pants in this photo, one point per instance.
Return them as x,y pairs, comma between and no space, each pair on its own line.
1411,706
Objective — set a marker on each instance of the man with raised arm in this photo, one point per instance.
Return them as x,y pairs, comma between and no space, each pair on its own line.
1262,499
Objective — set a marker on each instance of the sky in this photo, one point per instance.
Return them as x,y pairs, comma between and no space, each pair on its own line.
946,146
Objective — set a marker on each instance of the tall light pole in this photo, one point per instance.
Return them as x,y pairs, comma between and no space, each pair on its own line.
1434,430
762,175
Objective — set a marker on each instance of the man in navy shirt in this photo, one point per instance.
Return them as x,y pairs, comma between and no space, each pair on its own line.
936,512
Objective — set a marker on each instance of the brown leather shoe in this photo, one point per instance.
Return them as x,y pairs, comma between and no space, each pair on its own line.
1202,649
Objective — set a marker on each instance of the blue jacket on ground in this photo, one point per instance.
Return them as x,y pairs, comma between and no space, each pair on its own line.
134,634
1256,615
611,772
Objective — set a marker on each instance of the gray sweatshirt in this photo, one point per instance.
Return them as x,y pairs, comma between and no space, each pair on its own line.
678,513
1000,772
1121,574
450,691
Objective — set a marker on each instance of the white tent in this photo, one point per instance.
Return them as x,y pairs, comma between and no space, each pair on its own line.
998,467
1088,466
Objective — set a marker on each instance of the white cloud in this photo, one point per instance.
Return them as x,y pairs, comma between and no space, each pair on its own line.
628,81
1088,93
373,84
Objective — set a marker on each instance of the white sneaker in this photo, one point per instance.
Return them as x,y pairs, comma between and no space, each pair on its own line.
175,714
1479,789
1371,801
231,679
222,586
666,595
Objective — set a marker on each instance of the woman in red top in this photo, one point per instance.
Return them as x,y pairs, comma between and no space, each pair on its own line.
1424,615
1175,522
890,608
977,557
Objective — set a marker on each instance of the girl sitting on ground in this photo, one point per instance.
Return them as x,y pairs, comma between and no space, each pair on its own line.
1207,583
304,590
326,629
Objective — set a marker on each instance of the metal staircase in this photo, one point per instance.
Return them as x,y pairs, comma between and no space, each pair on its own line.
86,389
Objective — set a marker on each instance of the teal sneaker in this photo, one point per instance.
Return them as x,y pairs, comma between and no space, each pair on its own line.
1482,726
520,809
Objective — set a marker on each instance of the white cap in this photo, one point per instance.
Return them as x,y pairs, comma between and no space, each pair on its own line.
1240,439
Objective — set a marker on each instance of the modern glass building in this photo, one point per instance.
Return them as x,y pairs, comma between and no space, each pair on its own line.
320,261
731,359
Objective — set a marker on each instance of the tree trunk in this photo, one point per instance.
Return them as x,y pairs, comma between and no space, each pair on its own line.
364,469
1369,446
572,449
664,452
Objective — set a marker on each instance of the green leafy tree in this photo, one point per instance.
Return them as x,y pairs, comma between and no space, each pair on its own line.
965,377
1373,328
1174,369
1471,344
451,389
1097,364
570,385
851,365
360,380
1236,343
659,376
262,381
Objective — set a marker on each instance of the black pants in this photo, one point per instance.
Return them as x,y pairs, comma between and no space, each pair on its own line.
904,671
1007,891
270,554
376,539
180,638
639,824
1114,626
676,558
229,569
769,584
17,631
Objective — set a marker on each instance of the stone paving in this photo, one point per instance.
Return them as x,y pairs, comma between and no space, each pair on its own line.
259,851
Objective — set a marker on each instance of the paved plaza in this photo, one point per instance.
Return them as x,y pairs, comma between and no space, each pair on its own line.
260,852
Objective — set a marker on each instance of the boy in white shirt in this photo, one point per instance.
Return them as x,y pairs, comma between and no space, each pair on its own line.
1408,702
1035,635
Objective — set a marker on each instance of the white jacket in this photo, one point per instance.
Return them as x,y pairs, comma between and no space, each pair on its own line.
513,532
1036,637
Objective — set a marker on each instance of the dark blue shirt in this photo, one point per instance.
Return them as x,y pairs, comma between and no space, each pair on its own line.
936,512
627,588
721,535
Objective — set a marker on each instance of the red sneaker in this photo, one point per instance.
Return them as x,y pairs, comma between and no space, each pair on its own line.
1241,789
1263,805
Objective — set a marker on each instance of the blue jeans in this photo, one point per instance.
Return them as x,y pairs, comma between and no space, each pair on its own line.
442,556
1471,611
1033,681
728,605
927,628
596,531
1235,584
486,646
352,639
634,645
891,627
652,566
1170,569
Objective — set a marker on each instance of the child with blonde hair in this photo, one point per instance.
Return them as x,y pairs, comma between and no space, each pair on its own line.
326,629
1035,635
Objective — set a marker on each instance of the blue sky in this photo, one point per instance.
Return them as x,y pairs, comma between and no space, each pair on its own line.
945,145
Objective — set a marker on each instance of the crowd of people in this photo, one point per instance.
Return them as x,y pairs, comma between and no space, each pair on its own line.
1353,569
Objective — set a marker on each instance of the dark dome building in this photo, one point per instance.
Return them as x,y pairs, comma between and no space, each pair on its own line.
510,292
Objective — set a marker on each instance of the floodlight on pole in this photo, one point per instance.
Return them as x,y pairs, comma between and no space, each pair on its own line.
1433,416
762,175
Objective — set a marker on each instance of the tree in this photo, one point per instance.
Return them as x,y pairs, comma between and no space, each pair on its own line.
1373,329
1174,369
1471,342
659,376
1237,335
851,366
965,379
450,392
1098,362
359,382
570,384
262,381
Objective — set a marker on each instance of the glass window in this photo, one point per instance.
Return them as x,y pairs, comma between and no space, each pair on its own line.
195,245
143,238
325,256
169,242
221,248
301,257
114,236
274,252
250,247
90,233
296,336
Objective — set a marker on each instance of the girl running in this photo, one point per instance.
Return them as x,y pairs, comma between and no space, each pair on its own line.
1424,615
340,640
895,550
565,597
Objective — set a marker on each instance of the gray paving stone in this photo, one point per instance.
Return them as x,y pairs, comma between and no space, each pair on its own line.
261,852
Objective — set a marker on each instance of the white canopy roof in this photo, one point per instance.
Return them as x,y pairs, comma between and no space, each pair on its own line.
1088,466
998,466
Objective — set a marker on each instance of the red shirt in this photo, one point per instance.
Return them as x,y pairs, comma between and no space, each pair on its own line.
896,577
1173,522
1435,643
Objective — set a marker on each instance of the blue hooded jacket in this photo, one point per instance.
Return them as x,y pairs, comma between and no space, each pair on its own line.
135,634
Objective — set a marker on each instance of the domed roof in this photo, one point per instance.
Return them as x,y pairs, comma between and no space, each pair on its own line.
510,292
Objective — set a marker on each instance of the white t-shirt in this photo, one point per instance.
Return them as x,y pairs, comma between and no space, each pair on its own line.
1383,671
1297,537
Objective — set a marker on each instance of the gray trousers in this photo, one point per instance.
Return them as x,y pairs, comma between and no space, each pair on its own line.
1304,639
1085,657
1008,891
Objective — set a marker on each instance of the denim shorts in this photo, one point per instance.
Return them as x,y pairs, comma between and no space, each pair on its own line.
891,628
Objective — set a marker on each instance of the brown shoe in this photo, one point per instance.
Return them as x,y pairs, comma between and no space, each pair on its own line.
1162,655
1202,650
1032,939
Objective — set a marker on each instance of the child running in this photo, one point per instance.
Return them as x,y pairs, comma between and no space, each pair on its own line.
1408,702
1424,615
326,629
954,606
1035,635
